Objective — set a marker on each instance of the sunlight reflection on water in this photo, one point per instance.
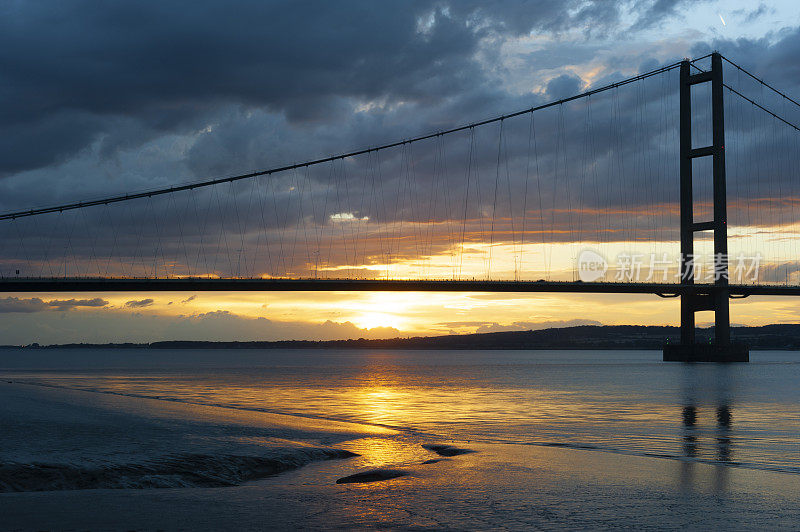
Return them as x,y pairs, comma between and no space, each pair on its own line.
626,401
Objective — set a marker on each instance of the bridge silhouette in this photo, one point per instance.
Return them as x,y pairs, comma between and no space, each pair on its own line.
642,167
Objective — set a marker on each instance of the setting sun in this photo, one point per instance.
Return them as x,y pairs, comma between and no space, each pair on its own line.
371,320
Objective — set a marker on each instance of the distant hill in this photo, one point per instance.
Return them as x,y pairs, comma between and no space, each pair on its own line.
580,337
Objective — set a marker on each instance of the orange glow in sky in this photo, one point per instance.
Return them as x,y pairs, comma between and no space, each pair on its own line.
247,316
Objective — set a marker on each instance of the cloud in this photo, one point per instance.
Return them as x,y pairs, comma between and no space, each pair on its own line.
159,72
139,303
657,12
14,304
35,304
458,324
224,324
217,94
778,272
188,299
535,326
67,304
491,326
564,86
752,15
169,72
125,326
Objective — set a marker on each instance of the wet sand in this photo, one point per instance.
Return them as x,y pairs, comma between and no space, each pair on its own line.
499,486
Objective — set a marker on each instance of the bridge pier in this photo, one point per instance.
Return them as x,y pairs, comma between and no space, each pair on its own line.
708,297
721,349
733,352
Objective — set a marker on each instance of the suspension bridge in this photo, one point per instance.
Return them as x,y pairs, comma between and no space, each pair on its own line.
678,182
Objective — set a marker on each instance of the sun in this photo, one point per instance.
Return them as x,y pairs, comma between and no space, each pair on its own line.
371,320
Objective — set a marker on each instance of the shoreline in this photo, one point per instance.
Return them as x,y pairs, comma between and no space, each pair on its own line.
424,439
443,478
60,438
498,486
617,337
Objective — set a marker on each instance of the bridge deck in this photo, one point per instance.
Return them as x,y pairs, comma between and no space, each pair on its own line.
89,284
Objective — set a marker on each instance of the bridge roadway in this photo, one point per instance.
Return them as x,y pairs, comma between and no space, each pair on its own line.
97,284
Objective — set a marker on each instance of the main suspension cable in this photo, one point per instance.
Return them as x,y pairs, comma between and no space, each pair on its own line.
200,184
764,83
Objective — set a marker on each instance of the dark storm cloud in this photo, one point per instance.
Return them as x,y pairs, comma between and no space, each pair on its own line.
70,70
255,85
68,67
170,63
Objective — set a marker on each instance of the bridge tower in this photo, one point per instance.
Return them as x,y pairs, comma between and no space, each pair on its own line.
695,298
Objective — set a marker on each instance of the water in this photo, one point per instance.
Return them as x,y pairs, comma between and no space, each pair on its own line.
745,415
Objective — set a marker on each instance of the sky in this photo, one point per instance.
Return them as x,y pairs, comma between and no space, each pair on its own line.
98,99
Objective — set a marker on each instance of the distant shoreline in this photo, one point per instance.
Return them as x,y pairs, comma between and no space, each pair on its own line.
781,337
